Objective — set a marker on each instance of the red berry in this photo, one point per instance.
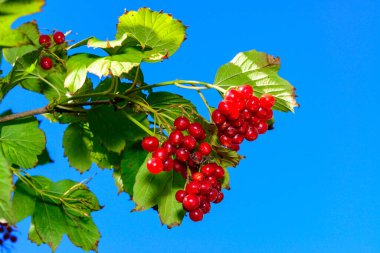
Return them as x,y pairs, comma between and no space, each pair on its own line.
13,239
219,198
269,114
193,188
180,195
251,134
225,107
198,177
212,180
243,129
234,147
208,169
59,37
219,172
262,127
237,123
179,166
175,138
253,104
246,91
181,123
45,41
212,195
225,141
161,154
204,148
231,132
168,164
240,104
155,165
191,202
232,95
205,207
261,113
169,148
182,154
205,187
267,101
218,117
234,115
46,63
245,114
196,130
238,139
196,215
189,142
196,157
150,143
6,236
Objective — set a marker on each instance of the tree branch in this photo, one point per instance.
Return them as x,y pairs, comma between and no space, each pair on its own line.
25,114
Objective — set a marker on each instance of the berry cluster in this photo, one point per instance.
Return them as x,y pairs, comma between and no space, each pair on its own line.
204,188
45,41
180,151
241,115
6,230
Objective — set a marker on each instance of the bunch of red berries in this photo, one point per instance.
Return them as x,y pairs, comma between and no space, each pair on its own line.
204,188
180,151
6,230
45,41
241,115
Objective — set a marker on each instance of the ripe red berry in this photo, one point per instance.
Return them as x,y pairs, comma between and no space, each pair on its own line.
189,142
219,172
208,169
198,177
246,91
267,101
179,166
225,141
193,188
181,123
168,164
6,236
180,195
212,195
218,117
205,187
204,148
182,154
225,107
160,153
261,113
169,148
231,132
175,138
155,165
196,130
150,143
262,127
191,202
196,157
251,134
205,207
46,63
196,215
253,104
238,139
45,41
59,38
232,95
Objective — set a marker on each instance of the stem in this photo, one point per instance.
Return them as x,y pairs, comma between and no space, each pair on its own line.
134,81
25,114
139,125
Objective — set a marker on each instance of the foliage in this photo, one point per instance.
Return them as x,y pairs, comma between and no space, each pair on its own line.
106,121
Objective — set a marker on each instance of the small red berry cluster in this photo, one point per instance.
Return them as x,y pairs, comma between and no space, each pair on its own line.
45,41
204,188
241,115
180,151
6,230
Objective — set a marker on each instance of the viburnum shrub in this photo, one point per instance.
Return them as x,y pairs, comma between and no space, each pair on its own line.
162,152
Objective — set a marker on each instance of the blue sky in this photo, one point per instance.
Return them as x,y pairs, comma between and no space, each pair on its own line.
312,185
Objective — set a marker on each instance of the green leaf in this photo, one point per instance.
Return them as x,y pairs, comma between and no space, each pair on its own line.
171,105
77,70
118,180
159,190
114,128
10,12
58,208
96,43
260,71
155,31
77,145
6,190
22,141
30,31
79,43
134,158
